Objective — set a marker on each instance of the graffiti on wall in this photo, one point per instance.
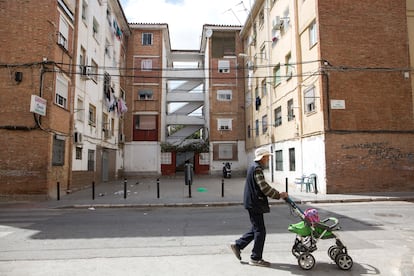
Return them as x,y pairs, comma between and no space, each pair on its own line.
380,151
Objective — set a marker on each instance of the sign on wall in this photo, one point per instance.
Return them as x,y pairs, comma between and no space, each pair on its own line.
38,105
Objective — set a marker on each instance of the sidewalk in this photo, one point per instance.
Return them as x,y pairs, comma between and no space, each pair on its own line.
205,191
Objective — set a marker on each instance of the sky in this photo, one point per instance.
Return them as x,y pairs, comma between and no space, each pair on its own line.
185,18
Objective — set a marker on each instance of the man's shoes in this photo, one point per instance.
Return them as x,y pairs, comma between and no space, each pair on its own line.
259,263
236,251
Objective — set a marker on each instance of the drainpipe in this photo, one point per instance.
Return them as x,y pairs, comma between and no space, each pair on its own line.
299,79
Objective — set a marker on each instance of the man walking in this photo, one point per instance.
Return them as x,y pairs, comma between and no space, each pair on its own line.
255,200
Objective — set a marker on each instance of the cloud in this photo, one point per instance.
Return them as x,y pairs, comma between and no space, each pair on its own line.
185,18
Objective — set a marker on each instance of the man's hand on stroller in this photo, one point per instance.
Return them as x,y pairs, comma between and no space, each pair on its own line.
283,195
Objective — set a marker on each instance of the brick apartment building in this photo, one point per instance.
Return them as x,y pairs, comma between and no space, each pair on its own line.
57,59
333,90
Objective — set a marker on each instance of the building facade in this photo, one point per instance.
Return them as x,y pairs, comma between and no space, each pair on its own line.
324,88
37,56
62,81
99,103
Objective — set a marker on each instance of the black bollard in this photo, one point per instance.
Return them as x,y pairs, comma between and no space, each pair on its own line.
287,186
189,188
125,188
316,184
58,190
158,188
93,190
222,187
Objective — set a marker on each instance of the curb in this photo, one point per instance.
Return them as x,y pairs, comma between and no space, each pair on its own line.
224,204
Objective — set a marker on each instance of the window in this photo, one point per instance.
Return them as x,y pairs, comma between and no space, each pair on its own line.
84,11
224,124
107,86
313,35
147,39
61,91
94,71
264,124
276,75
261,18
145,95
286,21
292,162
309,100
108,48
264,88
146,65
262,55
108,15
145,122
278,116
291,113
78,153
166,158
288,63
58,155
145,127
82,59
63,33
105,126
279,160
91,160
257,128
80,110
224,95
95,29
224,66
225,151
92,115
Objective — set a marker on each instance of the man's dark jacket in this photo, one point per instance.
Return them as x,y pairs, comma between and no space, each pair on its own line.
254,199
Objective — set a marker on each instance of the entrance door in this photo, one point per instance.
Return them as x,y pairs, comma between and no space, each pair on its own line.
105,166
181,158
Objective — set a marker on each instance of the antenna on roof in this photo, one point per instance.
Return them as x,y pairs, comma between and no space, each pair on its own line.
231,10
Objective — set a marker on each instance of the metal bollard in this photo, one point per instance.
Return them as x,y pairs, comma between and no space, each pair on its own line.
287,186
189,188
158,188
222,187
93,190
316,184
58,190
125,188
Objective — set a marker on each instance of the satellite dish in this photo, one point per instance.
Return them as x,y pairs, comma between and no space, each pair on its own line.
209,33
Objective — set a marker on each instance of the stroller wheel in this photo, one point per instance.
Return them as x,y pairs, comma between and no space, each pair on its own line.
306,261
333,251
344,261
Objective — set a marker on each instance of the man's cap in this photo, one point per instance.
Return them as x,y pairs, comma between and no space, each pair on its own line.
260,152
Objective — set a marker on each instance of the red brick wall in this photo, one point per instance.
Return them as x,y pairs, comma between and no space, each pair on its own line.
364,35
362,162
26,156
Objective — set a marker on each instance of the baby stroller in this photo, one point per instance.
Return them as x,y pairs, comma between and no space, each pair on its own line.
308,231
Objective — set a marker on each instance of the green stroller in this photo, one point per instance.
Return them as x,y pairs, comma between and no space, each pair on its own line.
311,229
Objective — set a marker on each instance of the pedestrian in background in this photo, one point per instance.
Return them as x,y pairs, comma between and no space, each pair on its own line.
256,192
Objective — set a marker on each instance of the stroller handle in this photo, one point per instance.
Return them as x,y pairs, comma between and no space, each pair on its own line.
294,206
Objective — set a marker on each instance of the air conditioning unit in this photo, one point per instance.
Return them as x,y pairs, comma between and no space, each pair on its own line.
277,23
85,72
77,137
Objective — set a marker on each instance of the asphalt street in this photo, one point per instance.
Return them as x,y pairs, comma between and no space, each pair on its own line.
194,241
